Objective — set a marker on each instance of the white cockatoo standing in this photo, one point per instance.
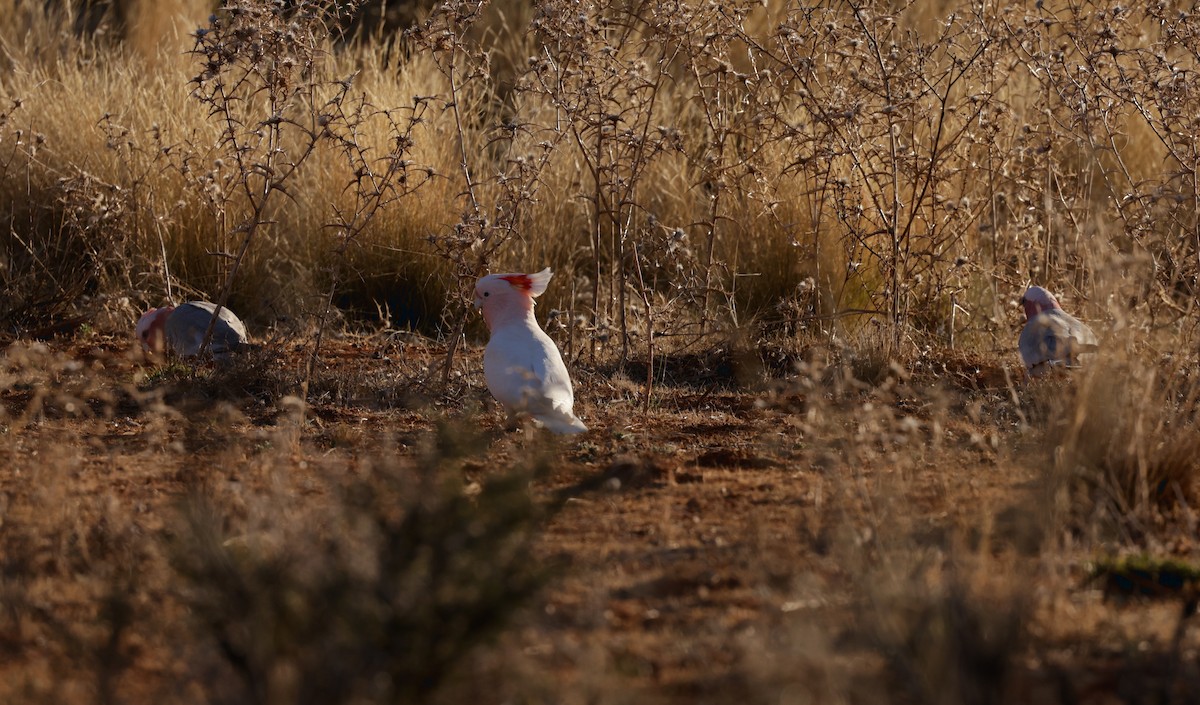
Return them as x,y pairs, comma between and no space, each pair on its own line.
181,329
523,367
1051,337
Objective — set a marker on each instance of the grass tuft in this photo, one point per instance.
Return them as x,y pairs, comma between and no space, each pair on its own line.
379,600
1129,442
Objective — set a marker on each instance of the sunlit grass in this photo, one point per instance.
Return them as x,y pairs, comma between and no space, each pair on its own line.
815,221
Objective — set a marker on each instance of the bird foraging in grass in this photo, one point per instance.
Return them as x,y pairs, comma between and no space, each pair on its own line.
180,329
1051,337
522,365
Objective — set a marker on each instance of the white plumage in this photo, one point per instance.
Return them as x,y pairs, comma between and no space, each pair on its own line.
1051,337
181,329
521,364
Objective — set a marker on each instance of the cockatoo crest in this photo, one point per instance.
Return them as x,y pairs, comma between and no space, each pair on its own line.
149,329
1036,300
534,284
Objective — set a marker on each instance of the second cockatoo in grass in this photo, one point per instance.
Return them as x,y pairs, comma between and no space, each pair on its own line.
1051,337
180,329
522,365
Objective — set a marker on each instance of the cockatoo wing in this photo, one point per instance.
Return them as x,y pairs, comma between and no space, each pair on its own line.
525,372
186,325
1052,338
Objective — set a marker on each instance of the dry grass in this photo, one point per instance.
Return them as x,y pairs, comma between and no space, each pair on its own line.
788,243
135,168
982,152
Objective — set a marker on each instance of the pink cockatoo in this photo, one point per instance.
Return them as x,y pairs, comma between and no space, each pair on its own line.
181,329
521,364
1051,337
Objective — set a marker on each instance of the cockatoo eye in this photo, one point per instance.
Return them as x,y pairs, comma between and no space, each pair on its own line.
487,294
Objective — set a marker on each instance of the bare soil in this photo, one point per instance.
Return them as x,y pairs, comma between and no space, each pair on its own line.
771,528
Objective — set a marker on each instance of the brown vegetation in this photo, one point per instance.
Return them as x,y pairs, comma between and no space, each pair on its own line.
788,242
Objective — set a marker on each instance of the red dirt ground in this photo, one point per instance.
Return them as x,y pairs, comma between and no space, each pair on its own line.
769,530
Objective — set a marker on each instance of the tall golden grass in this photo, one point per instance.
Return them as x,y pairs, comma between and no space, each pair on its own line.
708,166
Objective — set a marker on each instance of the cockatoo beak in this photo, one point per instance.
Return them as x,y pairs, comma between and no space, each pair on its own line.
478,304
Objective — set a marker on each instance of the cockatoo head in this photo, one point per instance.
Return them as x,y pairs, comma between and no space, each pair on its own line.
149,328
1036,300
504,297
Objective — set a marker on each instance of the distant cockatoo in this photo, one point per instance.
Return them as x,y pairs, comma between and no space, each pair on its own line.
1051,337
181,329
523,367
